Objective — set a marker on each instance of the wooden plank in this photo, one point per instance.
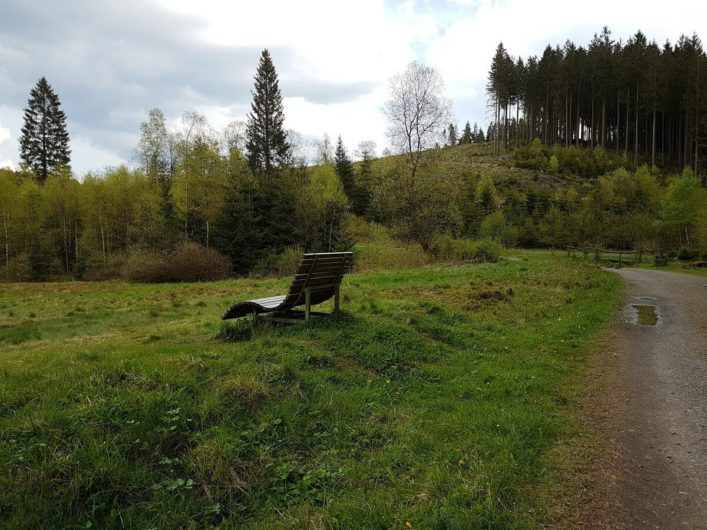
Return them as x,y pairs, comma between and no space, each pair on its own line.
268,299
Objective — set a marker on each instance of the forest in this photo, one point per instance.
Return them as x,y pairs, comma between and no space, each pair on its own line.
599,146
635,97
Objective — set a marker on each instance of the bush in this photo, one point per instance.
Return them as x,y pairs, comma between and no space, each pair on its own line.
389,255
19,269
487,252
687,254
282,264
451,249
108,268
194,263
359,230
190,262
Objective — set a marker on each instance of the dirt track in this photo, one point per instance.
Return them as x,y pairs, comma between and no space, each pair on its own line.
650,404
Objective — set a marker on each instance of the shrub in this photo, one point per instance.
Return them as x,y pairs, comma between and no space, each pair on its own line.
19,269
190,262
487,251
494,227
282,264
194,263
687,254
144,266
359,230
389,255
450,249
107,268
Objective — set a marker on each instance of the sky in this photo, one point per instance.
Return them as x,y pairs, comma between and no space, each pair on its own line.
111,61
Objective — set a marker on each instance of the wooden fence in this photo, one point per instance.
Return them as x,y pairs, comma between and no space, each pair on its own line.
636,255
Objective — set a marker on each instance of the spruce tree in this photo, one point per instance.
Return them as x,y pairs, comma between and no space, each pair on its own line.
44,143
452,135
267,145
466,135
344,168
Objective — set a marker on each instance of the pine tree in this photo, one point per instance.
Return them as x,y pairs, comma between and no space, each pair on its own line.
466,135
44,144
452,135
267,145
344,168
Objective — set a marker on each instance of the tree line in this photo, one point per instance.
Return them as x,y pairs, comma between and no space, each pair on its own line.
243,192
636,98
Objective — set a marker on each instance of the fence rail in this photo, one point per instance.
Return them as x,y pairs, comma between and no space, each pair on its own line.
598,251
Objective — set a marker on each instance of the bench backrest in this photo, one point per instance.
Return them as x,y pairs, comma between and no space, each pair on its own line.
322,273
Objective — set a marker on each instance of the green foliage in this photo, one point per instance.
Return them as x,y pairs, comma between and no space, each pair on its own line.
344,169
495,228
282,264
478,251
422,207
683,213
320,207
587,163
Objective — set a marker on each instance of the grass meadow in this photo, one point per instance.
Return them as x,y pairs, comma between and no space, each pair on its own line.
444,398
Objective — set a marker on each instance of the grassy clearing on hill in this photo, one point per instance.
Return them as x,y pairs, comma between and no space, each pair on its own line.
439,400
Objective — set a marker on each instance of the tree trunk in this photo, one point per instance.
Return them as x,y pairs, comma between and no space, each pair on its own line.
627,114
7,242
569,125
653,141
566,117
517,122
635,152
591,133
697,114
546,118
618,118
579,123
603,122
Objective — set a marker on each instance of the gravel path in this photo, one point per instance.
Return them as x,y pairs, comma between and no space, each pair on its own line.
652,408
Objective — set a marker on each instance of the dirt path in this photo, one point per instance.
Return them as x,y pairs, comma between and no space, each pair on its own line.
651,408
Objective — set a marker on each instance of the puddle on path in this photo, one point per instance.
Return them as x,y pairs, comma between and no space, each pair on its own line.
646,315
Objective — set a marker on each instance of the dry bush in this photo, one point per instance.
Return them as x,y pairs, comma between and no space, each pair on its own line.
108,268
194,263
190,262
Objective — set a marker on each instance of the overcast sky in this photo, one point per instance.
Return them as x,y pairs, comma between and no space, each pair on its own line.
111,61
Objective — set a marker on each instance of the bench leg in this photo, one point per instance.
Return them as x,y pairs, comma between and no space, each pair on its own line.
308,304
336,302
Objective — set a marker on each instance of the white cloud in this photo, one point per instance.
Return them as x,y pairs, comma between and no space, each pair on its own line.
4,136
464,51
85,156
334,59
7,147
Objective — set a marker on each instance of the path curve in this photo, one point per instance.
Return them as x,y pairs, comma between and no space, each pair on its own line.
654,408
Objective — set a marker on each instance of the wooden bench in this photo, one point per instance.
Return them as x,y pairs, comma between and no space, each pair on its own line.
317,279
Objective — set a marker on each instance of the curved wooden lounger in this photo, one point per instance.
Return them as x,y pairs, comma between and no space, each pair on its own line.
317,279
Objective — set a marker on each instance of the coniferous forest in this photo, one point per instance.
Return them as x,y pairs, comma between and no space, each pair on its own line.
638,98
598,145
